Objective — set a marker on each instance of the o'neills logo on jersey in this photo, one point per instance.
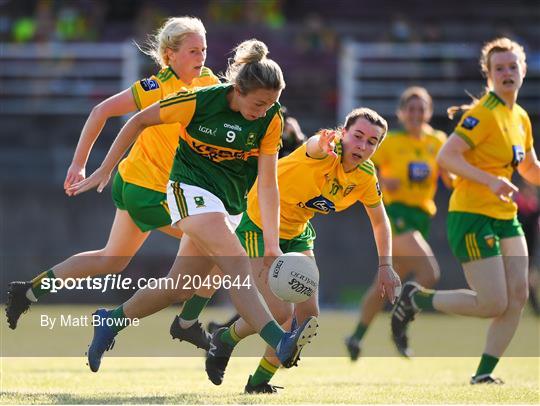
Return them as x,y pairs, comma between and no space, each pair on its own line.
208,131
234,127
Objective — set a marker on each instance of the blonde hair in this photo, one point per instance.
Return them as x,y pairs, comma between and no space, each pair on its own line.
500,45
250,69
171,35
415,92
497,45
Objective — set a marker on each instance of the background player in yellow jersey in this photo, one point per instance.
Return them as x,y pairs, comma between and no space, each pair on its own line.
232,134
408,173
492,139
319,177
179,47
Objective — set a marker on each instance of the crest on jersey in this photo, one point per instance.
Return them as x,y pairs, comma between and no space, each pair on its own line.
490,240
470,122
348,190
518,155
149,84
250,141
199,201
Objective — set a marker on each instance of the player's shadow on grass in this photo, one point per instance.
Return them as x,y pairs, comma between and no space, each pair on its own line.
69,399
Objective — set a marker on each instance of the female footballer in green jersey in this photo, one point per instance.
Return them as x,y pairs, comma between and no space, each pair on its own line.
179,47
408,173
232,133
492,139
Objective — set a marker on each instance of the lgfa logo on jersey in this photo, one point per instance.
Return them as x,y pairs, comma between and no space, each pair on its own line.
149,84
470,122
208,131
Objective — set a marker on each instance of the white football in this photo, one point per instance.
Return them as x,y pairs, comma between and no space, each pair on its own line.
293,277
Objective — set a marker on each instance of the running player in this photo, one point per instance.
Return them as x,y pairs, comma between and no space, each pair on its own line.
492,139
408,173
139,187
322,176
232,132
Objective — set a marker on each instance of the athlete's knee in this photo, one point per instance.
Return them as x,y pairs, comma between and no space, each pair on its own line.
518,296
492,307
282,312
111,262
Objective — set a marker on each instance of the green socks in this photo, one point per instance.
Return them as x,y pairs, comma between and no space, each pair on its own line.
193,308
118,314
360,331
265,371
423,299
487,364
272,333
230,337
38,289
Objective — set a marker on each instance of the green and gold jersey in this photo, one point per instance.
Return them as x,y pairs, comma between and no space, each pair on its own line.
413,161
219,149
308,186
149,162
499,139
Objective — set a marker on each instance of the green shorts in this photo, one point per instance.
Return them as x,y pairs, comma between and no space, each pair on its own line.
405,218
475,236
252,240
147,208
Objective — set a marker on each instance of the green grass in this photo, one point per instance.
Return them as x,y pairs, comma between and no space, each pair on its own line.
329,379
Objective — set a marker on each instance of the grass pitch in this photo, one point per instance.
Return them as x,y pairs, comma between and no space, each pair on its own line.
330,378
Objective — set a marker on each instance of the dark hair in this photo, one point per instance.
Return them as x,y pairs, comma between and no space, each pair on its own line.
370,115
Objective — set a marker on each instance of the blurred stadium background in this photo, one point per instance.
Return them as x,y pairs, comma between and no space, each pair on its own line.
60,58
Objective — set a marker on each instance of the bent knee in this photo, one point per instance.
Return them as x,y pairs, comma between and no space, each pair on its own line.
111,262
492,309
518,297
282,313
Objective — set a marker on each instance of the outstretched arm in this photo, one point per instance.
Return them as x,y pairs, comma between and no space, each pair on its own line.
117,105
126,137
388,282
321,145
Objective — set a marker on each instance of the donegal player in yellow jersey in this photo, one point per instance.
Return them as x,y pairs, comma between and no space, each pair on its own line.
232,134
318,177
492,139
408,173
139,187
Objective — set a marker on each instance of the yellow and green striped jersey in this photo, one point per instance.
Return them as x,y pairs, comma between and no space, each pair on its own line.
308,186
413,162
150,159
499,138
